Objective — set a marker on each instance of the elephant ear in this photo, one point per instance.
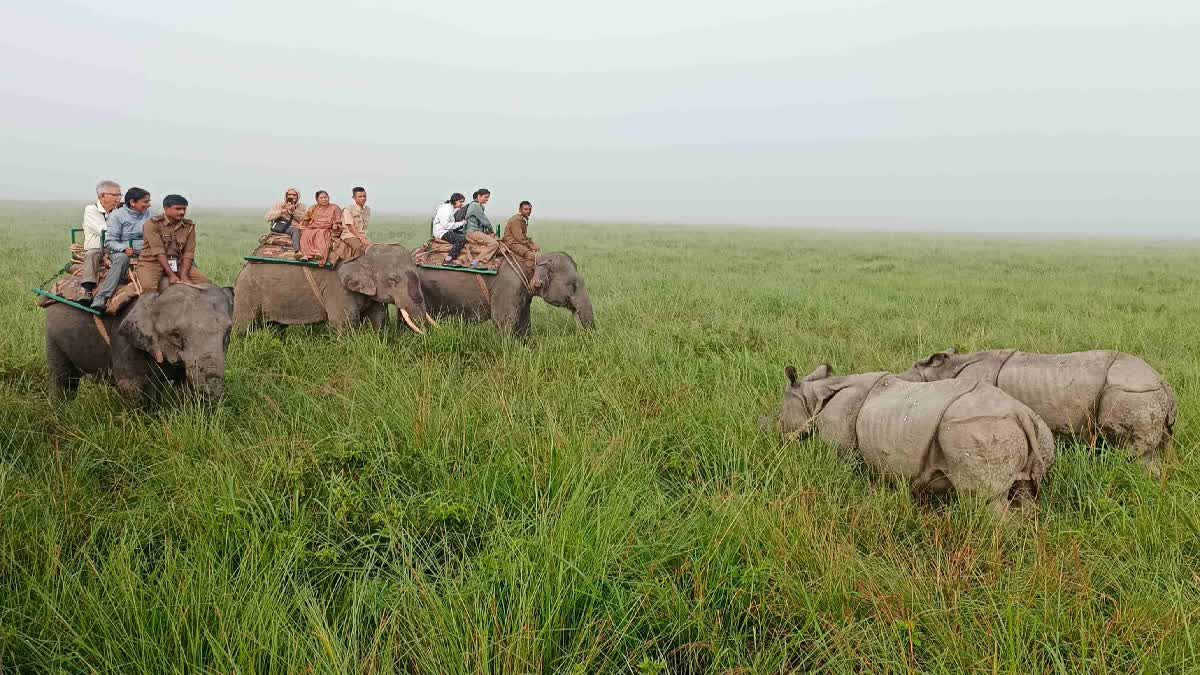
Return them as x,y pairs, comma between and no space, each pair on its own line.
357,278
228,291
138,326
413,287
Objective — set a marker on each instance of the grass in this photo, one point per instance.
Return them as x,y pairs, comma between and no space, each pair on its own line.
597,503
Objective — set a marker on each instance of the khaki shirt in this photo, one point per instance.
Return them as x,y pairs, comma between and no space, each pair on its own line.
355,219
516,236
174,240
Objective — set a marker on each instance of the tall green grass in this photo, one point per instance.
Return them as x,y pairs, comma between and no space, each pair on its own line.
601,502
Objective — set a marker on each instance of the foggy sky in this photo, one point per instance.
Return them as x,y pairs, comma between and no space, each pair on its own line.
1023,115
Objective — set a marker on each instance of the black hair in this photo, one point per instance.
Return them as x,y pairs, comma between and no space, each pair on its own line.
357,190
135,194
481,192
174,200
319,193
456,197
524,204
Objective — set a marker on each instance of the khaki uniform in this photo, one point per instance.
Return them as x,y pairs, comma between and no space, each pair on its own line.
176,241
355,220
516,238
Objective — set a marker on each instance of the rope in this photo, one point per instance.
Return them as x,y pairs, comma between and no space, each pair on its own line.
509,256
103,331
483,289
312,283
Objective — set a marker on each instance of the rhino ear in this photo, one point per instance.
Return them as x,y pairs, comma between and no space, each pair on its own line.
936,360
822,371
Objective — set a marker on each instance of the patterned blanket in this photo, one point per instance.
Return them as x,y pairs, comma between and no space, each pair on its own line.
273,245
434,253
69,283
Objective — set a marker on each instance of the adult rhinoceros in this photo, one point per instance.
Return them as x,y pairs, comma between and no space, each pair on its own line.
969,436
1087,395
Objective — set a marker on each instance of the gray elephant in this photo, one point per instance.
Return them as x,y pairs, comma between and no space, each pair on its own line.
176,338
358,290
1088,395
505,298
969,436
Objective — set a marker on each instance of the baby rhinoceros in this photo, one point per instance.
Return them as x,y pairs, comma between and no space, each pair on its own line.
969,436
1089,395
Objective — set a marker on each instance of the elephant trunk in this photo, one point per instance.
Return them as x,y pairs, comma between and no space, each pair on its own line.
411,313
583,310
206,376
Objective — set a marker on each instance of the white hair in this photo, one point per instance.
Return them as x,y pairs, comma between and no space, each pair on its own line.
106,184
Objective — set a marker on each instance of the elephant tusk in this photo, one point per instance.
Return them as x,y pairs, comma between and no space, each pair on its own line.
408,320
430,319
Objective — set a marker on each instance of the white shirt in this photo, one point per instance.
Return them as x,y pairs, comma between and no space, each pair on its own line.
443,220
93,225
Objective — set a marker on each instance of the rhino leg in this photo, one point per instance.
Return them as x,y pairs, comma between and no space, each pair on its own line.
985,457
1137,422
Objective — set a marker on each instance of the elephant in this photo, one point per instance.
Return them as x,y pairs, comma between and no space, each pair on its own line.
357,291
969,437
177,337
506,302
1109,395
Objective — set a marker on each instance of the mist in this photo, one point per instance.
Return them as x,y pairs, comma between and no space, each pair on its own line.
1023,116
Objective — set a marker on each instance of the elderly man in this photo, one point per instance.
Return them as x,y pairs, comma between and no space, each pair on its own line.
108,195
355,219
516,237
481,236
124,239
170,248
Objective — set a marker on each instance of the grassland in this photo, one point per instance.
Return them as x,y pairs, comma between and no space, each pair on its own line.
595,503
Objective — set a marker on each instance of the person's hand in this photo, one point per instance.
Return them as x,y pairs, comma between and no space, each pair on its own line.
129,252
173,279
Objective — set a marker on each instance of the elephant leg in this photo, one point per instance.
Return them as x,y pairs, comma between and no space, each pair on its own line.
246,316
377,314
64,376
523,324
506,318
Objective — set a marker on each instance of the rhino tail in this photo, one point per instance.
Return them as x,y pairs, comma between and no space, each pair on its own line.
1041,452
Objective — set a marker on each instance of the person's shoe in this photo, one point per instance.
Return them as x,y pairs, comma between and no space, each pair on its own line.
99,302
453,263
478,265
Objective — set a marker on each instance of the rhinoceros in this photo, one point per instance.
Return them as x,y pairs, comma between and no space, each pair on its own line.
967,436
1087,395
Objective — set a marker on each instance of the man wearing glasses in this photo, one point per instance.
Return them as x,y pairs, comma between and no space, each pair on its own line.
108,197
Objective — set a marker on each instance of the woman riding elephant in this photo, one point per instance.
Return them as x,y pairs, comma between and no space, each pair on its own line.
322,224
505,296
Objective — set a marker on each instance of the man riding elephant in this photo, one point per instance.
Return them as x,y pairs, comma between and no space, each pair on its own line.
357,291
516,237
